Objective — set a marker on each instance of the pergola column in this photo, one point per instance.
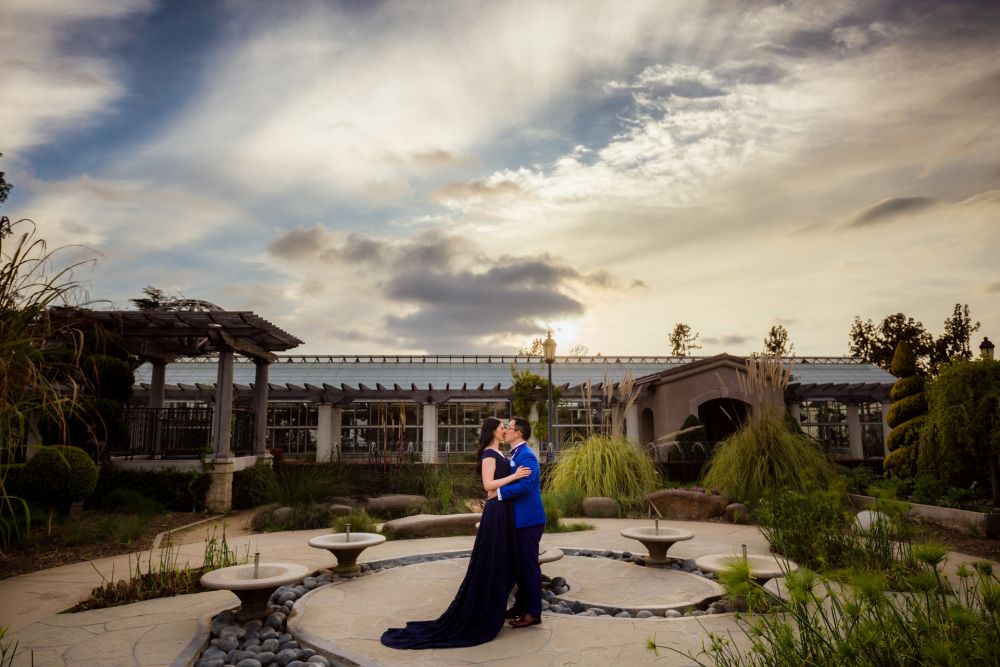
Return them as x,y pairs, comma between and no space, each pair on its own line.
157,388
222,432
428,449
632,424
856,450
324,432
336,427
260,407
885,428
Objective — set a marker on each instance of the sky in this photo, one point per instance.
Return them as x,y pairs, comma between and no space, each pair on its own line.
458,177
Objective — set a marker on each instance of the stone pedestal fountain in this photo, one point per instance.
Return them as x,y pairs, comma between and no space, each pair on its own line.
346,547
657,541
253,584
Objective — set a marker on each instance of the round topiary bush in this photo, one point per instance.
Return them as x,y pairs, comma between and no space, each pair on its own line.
58,475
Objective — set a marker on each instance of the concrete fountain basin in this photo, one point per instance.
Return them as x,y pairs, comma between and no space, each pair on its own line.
346,547
252,591
657,541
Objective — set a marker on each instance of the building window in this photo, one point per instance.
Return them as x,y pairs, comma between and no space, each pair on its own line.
458,423
376,426
573,423
826,421
291,427
870,416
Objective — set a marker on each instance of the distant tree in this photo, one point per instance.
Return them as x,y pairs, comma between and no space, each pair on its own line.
5,188
777,343
154,299
536,349
876,343
682,340
954,343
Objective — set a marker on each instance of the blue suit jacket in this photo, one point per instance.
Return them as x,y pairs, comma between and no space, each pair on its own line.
525,493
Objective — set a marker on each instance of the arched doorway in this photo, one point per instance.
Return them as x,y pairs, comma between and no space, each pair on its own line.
646,429
722,416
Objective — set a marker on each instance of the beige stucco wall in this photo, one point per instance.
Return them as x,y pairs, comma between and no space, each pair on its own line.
680,395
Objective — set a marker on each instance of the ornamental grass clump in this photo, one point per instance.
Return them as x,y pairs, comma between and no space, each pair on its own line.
863,622
604,466
764,456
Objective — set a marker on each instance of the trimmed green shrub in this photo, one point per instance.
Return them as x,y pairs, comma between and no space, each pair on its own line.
59,475
604,466
180,491
905,434
255,486
906,409
906,414
907,386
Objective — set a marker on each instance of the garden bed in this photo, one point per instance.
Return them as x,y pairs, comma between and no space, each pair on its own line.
69,542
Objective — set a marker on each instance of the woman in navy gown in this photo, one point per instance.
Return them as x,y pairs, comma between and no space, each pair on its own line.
476,614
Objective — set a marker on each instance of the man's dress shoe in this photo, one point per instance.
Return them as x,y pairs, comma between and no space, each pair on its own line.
513,613
525,621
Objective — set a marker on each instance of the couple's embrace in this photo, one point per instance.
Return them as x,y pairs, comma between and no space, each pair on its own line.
505,551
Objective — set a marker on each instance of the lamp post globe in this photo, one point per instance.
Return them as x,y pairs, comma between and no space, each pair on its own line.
549,346
986,349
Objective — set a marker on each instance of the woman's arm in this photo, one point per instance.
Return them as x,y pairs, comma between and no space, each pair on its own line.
490,466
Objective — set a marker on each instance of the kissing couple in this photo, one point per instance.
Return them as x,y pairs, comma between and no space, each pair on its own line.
505,551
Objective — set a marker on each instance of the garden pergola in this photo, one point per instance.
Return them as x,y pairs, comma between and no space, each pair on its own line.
162,336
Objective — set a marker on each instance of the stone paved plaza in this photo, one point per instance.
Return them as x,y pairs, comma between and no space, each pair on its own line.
348,617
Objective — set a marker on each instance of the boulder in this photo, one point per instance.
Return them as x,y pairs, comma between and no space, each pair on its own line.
600,507
432,525
737,512
394,504
684,505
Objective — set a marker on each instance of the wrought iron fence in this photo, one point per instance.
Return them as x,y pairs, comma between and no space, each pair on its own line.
182,432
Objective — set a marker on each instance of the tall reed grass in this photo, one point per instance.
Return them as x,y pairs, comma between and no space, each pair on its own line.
764,456
34,383
604,466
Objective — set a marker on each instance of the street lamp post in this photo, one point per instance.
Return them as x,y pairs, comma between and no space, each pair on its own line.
549,346
986,349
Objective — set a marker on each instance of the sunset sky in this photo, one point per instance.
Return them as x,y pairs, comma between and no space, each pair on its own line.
456,177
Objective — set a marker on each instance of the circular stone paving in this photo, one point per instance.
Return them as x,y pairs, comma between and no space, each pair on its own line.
612,584
348,619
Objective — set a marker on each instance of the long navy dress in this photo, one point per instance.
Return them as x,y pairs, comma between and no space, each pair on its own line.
476,614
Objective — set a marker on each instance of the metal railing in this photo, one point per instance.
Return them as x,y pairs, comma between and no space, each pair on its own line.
181,432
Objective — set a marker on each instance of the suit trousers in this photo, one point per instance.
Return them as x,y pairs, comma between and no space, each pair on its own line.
529,574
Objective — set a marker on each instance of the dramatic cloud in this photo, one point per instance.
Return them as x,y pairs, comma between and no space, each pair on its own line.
406,177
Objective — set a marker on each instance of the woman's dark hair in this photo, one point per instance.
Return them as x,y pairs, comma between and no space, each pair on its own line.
485,438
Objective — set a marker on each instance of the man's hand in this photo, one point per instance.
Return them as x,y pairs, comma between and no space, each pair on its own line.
491,495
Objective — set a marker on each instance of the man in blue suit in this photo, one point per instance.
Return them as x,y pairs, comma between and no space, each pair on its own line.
529,522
